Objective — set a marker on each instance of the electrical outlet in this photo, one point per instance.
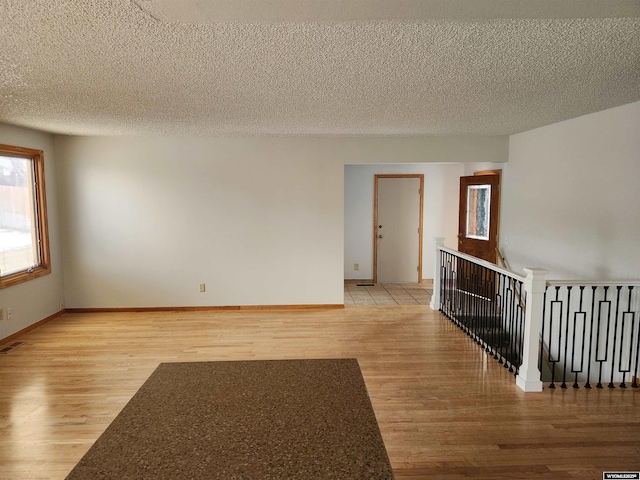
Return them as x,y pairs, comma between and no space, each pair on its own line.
9,313
356,266
202,287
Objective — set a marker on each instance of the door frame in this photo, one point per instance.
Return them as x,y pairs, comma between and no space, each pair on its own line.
375,219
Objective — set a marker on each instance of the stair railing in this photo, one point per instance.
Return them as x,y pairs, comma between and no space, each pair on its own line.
547,368
505,265
592,332
479,298
575,331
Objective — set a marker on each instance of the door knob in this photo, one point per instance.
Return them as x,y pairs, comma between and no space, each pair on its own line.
380,236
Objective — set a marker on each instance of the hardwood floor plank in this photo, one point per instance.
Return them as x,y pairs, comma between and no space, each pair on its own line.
444,408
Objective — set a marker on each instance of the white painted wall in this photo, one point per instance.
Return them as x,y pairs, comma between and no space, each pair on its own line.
571,197
471,168
146,220
440,212
37,299
453,149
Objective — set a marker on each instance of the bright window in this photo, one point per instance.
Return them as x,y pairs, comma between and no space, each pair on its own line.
478,209
24,241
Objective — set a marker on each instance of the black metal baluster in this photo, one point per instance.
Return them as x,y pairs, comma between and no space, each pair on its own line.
516,328
513,329
464,271
630,313
458,279
482,274
500,319
444,267
498,314
465,294
488,305
505,311
443,280
523,312
504,325
544,323
449,286
481,307
573,345
566,339
593,306
606,353
453,286
461,285
491,333
551,361
498,326
455,279
473,298
634,383
615,335
510,333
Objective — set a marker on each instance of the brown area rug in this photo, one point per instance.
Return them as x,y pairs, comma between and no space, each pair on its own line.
298,419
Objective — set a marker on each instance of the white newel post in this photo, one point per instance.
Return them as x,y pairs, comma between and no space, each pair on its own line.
528,378
435,297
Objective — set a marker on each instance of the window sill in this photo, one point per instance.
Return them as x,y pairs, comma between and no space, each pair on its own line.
24,276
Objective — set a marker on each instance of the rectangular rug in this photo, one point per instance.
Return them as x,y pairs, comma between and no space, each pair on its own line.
297,419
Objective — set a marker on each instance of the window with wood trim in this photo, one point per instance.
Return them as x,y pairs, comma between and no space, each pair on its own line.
24,238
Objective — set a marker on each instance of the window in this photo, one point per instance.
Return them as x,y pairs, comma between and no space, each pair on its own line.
478,199
24,240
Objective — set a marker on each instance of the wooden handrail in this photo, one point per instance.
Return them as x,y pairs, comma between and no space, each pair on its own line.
513,285
501,258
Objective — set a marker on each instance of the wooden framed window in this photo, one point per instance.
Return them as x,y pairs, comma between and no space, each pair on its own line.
24,237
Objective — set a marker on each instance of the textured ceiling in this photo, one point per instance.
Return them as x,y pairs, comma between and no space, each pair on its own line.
124,67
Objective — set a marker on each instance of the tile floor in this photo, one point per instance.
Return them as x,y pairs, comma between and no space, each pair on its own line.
387,293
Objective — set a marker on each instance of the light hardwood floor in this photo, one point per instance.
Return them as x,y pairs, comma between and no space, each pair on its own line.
445,410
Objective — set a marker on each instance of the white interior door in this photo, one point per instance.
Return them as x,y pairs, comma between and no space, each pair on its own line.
398,229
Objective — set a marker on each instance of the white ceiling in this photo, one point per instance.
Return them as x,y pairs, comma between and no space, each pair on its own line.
313,67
